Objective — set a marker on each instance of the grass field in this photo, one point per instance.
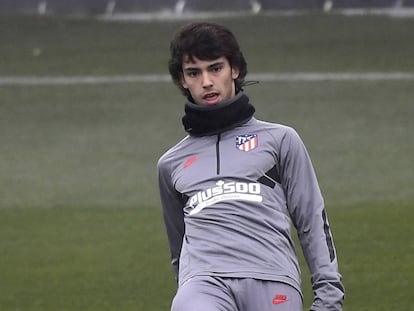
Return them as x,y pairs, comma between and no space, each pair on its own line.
80,225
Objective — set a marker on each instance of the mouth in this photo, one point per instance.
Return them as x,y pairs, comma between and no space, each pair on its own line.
211,98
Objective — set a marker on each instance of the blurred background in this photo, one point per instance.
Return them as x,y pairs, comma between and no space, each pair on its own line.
114,6
87,108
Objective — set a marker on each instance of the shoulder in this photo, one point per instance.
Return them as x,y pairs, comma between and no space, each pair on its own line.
172,153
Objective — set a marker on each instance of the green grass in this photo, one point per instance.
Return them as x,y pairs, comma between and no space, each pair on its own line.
98,145
80,224
375,255
83,259
359,134
320,42
116,259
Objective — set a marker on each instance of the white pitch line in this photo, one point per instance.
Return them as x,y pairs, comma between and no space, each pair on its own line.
70,80
159,78
394,11
332,76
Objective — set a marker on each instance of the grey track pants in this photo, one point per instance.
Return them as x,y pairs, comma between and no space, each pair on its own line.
206,293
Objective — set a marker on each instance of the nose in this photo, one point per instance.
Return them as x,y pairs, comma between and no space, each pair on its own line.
207,82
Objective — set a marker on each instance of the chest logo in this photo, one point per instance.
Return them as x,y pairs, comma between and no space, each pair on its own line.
190,161
247,142
222,191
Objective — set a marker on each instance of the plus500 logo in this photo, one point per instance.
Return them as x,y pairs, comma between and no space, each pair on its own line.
224,192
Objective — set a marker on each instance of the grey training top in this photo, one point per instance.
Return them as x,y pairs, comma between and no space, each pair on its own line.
229,201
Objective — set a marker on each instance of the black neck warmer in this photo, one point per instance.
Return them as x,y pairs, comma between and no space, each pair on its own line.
202,120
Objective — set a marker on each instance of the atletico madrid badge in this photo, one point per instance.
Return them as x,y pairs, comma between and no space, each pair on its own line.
246,142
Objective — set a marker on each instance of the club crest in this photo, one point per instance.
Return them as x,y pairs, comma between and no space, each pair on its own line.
246,142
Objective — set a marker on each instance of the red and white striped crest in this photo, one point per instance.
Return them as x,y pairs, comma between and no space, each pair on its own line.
246,142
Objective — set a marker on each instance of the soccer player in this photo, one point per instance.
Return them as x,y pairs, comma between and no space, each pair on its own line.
233,187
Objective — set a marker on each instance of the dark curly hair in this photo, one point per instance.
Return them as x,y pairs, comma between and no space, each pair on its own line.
205,41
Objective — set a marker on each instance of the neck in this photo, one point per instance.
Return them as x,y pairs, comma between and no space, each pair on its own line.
209,120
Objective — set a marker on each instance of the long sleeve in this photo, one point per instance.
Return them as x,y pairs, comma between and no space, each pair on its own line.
172,207
306,207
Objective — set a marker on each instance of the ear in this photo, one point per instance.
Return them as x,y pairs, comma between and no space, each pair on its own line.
235,72
183,83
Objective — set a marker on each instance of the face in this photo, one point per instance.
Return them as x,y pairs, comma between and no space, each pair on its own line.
209,81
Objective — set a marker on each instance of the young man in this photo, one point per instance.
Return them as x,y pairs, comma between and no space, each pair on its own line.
231,189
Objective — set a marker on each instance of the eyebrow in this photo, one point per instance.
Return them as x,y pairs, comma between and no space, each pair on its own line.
220,63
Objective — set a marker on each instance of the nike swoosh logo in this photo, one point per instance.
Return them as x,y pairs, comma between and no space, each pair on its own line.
278,299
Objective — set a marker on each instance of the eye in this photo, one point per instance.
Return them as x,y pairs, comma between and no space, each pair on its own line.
216,68
191,73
